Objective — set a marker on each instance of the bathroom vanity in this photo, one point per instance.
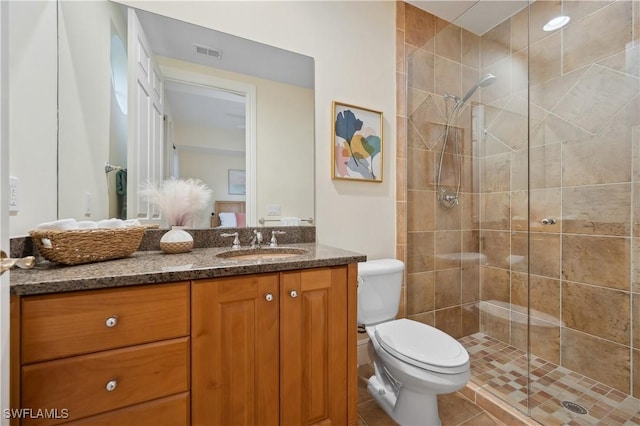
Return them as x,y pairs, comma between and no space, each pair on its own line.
191,338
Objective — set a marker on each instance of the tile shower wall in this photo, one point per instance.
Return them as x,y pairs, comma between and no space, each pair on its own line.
567,148
438,245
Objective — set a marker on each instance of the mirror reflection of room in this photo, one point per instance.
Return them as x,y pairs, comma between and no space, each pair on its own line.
205,136
201,124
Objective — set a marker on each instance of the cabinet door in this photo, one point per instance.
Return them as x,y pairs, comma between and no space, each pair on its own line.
314,324
235,352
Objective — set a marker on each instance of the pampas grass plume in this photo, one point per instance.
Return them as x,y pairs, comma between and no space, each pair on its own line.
181,201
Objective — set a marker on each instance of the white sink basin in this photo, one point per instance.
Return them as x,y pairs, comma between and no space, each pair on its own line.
263,253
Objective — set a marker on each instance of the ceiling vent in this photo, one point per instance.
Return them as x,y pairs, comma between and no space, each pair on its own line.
208,51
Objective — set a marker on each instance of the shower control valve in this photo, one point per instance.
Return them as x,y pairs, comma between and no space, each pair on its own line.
549,221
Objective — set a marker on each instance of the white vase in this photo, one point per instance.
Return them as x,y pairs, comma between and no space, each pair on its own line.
176,240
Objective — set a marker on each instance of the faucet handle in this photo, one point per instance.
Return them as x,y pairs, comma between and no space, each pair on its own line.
236,240
274,241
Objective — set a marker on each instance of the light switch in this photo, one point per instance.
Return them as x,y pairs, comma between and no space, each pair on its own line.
274,210
87,204
14,194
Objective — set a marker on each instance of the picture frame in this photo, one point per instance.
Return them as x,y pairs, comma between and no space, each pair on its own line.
237,182
356,152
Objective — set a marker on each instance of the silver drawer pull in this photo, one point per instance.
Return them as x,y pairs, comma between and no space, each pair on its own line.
293,293
268,297
111,385
111,322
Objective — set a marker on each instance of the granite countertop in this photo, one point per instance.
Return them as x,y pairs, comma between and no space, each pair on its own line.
148,267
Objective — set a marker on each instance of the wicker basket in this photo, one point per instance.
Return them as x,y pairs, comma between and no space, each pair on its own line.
74,247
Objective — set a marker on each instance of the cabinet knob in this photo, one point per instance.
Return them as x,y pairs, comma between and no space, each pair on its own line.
111,322
111,385
293,293
268,297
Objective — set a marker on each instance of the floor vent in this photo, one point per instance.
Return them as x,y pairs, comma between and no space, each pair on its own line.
575,408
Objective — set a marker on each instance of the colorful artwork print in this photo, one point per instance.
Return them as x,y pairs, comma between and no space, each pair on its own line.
237,182
357,143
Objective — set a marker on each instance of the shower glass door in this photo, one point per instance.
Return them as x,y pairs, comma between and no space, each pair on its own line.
523,202
501,145
584,212
467,192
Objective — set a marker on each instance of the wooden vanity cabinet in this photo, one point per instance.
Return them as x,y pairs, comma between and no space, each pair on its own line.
108,357
263,349
275,348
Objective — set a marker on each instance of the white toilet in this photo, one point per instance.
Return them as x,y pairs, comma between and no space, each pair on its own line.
413,362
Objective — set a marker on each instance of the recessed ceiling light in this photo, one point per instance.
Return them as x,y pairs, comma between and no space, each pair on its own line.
555,23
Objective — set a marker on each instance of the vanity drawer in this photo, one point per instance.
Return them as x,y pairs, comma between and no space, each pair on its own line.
55,326
91,384
169,411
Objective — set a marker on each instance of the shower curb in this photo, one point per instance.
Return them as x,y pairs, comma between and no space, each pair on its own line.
495,406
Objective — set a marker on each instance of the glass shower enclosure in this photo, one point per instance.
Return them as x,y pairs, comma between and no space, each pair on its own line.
523,202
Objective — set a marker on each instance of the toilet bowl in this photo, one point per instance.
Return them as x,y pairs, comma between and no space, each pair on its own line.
413,362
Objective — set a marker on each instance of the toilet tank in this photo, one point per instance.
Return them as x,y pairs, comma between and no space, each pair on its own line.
379,287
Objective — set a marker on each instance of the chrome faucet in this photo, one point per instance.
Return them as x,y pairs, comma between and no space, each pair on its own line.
236,240
256,241
274,241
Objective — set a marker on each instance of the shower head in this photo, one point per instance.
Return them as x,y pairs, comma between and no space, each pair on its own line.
484,82
487,80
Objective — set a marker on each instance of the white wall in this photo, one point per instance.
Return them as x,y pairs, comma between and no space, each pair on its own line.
5,317
285,157
353,44
85,107
33,107
32,112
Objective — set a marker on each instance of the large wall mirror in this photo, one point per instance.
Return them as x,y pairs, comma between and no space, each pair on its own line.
234,113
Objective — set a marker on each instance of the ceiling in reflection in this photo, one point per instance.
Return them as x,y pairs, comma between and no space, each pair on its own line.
175,39
211,108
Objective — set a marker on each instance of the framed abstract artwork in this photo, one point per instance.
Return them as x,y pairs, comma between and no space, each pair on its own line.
237,182
357,143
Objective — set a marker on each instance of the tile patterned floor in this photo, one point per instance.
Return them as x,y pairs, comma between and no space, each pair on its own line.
502,370
454,408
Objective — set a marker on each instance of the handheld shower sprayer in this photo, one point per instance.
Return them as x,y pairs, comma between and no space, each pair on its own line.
484,82
450,198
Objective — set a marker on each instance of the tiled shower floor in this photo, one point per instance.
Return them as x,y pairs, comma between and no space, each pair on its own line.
502,370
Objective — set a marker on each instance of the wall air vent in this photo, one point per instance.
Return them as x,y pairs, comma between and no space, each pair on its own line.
208,51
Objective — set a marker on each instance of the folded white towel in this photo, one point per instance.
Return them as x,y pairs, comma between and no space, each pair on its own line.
111,223
87,224
228,220
132,222
290,221
61,225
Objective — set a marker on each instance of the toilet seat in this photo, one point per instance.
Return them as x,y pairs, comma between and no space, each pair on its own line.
422,346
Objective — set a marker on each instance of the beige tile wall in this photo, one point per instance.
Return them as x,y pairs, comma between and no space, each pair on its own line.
435,58
568,148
